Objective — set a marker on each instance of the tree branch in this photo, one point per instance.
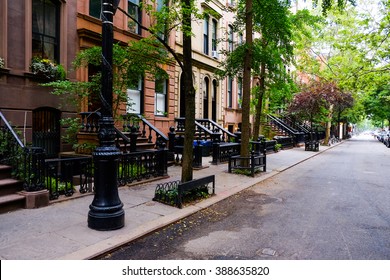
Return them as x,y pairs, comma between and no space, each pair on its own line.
169,49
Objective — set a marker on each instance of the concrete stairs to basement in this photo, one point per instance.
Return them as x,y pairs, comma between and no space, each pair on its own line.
10,199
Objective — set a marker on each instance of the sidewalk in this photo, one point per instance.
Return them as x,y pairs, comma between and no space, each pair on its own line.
60,230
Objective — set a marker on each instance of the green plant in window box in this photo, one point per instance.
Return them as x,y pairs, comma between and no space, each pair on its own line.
47,69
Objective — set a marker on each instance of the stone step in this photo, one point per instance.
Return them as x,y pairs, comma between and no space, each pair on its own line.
5,171
11,202
10,186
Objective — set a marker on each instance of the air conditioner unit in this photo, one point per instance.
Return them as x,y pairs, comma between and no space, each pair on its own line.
215,54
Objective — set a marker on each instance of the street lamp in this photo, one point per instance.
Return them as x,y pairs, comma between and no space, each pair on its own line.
106,211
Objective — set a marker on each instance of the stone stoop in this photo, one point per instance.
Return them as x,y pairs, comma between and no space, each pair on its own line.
10,199
12,196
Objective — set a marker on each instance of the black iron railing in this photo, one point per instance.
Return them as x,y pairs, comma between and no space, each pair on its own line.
299,136
63,176
223,151
90,122
26,162
135,123
226,135
67,176
141,165
206,129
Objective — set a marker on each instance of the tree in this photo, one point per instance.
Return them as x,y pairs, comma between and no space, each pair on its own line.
318,101
187,171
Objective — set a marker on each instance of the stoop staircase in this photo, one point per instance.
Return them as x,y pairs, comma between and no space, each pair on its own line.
10,199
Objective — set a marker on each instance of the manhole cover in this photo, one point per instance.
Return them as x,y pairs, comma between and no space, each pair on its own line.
267,252
263,199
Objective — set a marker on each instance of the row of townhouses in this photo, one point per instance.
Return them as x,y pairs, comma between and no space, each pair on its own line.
58,29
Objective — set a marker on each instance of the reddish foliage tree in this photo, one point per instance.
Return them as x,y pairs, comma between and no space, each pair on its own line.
318,101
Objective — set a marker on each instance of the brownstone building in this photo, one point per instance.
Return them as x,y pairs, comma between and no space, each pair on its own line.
57,30
30,28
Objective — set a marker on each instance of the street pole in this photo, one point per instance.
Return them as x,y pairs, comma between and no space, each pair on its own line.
106,211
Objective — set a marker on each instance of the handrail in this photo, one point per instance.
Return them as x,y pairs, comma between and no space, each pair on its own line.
155,129
281,124
121,135
10,129
295,124
219,127
208,126
90,124
205,129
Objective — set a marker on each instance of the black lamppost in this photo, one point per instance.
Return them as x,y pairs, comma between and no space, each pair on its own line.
106,211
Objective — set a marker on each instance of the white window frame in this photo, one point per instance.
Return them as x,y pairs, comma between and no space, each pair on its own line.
160,100
134,99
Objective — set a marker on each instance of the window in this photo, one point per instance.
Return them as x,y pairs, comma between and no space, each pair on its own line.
231,3
134,97
95,7
206,98
214,36
230,93
133,9
231,38
45,29
206,35
160,108
161,4
240,39
239,92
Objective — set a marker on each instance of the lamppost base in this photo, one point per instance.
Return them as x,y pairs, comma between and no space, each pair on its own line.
106,221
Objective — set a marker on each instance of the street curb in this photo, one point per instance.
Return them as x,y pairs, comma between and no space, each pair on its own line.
112,243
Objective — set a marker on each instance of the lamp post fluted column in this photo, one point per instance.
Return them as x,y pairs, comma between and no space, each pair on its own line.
106,211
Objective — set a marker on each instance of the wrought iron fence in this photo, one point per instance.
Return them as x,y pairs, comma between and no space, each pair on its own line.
63,176
222,151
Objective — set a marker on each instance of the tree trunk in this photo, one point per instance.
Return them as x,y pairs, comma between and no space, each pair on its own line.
246,94
328,126
187,171
259,107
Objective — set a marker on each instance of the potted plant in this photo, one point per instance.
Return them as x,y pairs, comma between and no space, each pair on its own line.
47,69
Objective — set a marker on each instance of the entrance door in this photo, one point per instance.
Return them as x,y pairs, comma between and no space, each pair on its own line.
214,101
46,130
206,98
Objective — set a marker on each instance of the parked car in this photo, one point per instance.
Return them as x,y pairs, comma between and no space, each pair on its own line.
381,135
386,139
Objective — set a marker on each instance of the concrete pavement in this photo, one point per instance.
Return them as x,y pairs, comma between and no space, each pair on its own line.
60,230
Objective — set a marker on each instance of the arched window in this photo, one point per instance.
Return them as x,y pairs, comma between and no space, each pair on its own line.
214,101
206,98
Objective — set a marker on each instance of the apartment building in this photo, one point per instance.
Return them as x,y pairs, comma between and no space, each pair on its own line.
218,100
57,30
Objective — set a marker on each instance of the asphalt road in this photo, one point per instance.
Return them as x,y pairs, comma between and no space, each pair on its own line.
333,206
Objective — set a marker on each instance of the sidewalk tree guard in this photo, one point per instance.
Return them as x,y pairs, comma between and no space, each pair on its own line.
106,211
